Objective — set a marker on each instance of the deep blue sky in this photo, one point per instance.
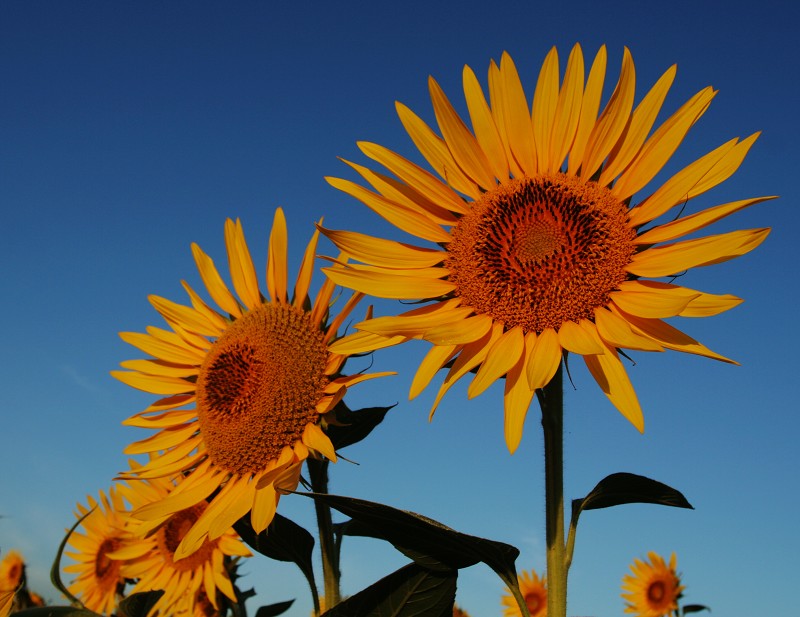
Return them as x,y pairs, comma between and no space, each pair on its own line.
129,130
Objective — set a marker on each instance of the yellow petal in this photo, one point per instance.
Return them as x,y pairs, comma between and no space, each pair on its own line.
544,358
166,438
155,384
240,264
518,130
408,172
413,325
675,258
503,355
435,359
388,284
484,126
613,120
460,141
213,282
517,397
459,332
362,342
314,438
661,145
613,380
384,253
218,321
568,110
616,331
183,316
403,218
575,338
497,96
545,101
277,276
306,272
590,104
699,304
436,152
642,120
160,367
265,505
650,301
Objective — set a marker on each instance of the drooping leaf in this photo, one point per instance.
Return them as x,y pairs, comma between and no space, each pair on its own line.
353,426
283,540
139,604
56,611
411,591
694,608
622,488
55,569
272,610
429,543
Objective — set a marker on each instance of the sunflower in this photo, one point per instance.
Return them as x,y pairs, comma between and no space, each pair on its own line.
6,601
540,251
100,580
12,571
534,590
151,559
654,588
246,389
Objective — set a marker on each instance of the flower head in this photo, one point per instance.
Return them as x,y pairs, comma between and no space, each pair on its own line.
246,389
653,589
99,580
12,571
534,591
190,584
545,232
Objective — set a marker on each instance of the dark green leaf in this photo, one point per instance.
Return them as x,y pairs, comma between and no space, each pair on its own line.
283,540
55,570
274,609
55,611
411,591
694,608
139,604
353,426
429,543
622,488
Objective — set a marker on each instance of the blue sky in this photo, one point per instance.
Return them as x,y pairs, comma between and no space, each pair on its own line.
129,130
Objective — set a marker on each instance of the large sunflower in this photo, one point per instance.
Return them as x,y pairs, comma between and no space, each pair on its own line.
540,251
653,589
100,581
534,590
246,389
151,559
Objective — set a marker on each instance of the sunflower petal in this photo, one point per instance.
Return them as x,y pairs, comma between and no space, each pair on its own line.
497,97
575,338
568,110
384,253
545,103
675,258
613,380
517,117
277,276
183,316
363,342
699,304
155,384
315,438
460,332
240,264
501,357
386,285
213,282
517,397
650,301
616,331
484,126
544,358
590,105
434,360
306,271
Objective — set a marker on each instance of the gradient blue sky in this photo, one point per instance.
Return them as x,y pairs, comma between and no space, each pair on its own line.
129,130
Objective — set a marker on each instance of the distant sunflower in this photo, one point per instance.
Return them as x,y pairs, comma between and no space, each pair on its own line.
246,388
539,250
653,589
100,581
152,558
12,571
534,590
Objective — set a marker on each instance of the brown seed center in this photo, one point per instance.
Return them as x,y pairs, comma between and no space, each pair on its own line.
656,592
258,387
171,533
537,252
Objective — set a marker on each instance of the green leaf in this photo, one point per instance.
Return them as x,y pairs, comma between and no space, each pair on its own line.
429,543
55,570
694,608
622,488
411,591
274,609
283,540
353,426
55,611
139,604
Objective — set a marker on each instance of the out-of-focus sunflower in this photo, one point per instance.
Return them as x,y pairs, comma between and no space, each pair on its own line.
246,389
12,571
151,559
654,588
540,251
99,581
534,590
459,612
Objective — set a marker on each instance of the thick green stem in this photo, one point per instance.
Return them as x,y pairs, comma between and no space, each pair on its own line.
552,402
318,474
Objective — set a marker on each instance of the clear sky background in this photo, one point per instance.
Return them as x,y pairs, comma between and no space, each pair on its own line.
129,130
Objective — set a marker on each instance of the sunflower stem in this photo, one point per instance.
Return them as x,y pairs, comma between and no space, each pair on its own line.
318,474
551,399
